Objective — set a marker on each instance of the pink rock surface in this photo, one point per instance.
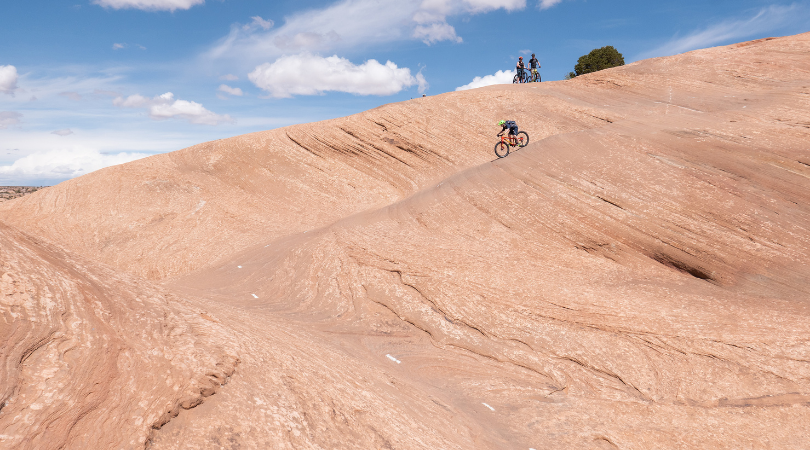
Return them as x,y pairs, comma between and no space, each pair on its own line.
637,277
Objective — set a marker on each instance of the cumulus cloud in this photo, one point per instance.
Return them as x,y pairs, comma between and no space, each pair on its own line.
8,79
63,132
166,106
149,5
335,27
500,77
435,32
230,90
307,74
58,165
729,31
9,118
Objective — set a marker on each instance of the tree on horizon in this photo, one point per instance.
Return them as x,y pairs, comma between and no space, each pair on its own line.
598,59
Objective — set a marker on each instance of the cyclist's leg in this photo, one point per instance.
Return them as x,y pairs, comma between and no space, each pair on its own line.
513,137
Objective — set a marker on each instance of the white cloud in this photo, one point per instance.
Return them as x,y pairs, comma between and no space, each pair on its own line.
58,165
421,83
63,132
229,77
336,27
44,89
149,5
500,77
261,23
8,79
307,74
117,46
230,90
766,20
545,4
435,32
9,118
165,107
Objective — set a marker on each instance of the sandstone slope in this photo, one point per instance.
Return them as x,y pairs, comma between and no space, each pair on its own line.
637,277
94,359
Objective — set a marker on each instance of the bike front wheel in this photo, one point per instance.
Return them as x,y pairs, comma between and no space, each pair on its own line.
522,139
501,149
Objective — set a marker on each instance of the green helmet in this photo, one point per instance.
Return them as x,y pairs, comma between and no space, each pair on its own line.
502,122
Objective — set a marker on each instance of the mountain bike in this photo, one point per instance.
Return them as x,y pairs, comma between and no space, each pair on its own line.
519,79
503,147
535,76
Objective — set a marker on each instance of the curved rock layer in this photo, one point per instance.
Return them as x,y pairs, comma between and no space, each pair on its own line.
93,359
637,277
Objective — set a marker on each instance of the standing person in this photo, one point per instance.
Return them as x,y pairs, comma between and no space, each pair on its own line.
520,69
535,64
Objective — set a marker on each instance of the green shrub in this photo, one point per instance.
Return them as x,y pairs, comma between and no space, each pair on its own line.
599,59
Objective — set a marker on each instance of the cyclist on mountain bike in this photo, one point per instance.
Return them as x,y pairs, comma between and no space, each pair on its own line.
535,64
511,125
520,68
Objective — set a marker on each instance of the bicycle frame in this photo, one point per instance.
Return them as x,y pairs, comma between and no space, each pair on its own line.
512,140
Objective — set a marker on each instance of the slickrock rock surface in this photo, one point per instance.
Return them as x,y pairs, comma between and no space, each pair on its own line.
637,277
94,359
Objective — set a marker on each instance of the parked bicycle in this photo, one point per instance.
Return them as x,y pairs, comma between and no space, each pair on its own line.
519,79
503,147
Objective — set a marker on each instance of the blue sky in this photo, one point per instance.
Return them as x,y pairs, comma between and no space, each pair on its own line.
89,83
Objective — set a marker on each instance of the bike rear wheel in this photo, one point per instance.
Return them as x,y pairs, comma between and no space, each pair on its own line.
522,139
501,149
516,79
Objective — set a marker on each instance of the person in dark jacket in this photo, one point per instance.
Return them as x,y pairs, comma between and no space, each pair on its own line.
534,64
520,69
